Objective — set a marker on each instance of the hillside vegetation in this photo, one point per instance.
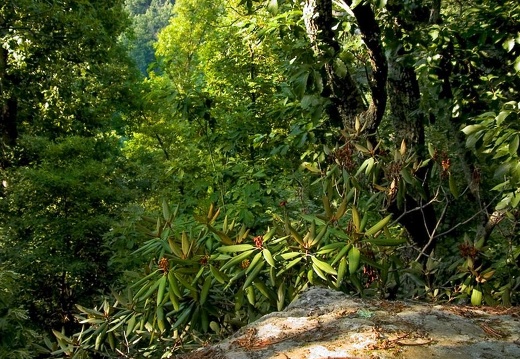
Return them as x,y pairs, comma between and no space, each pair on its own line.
171,171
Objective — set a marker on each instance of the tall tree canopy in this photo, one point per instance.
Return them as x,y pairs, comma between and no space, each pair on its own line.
148,18
65,85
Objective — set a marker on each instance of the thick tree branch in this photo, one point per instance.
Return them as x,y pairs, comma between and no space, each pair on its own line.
163,147
371,34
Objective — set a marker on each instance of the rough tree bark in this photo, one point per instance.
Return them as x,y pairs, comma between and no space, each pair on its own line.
8,107
345,95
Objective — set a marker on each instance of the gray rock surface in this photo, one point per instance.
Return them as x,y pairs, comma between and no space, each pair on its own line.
324,324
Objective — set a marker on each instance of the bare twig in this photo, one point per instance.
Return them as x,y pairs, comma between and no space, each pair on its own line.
418,208
467,220
431,235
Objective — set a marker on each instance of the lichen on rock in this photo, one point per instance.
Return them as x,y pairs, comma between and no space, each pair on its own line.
322,323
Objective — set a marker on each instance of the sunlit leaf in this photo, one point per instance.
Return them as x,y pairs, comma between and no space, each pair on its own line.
236,248
354,256
476,297
378,226
324,266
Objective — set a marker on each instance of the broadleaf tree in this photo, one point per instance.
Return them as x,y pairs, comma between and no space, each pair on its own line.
66,87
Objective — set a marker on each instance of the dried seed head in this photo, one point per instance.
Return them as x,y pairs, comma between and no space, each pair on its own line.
245,263
259,241
467,250
204,260
164,265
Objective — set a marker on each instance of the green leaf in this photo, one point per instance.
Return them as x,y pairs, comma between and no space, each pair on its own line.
215,327
330,248
173,299
508,44
431,150
264,290
184,282
160,318
297,237
340,68
324,266
89,311
502,116
356,220
182,318
174,247
268,257
311,218
250,294
453,186
224,238
174,286
378,226
515,200
470,129
272,7
253,263
144,279
290,255
357,283
354,256
100,338
290,264
363,166
341,209
269,234
161,290
319,272
61,336
434,34
387,241
218,275
300,81
92,321
151,290
205,290
476,297
407,176
342,269
342,252
253,275
185,244
513,145
166,211
319,237
280,301
370,166
236,260
236,248
516,66
311,167
130,325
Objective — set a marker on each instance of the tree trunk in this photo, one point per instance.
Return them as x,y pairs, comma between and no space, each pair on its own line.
8,112
346,99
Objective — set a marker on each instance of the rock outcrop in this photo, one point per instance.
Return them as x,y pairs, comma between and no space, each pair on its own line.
324,324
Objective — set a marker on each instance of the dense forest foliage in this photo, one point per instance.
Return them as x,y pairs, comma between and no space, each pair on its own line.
172,170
